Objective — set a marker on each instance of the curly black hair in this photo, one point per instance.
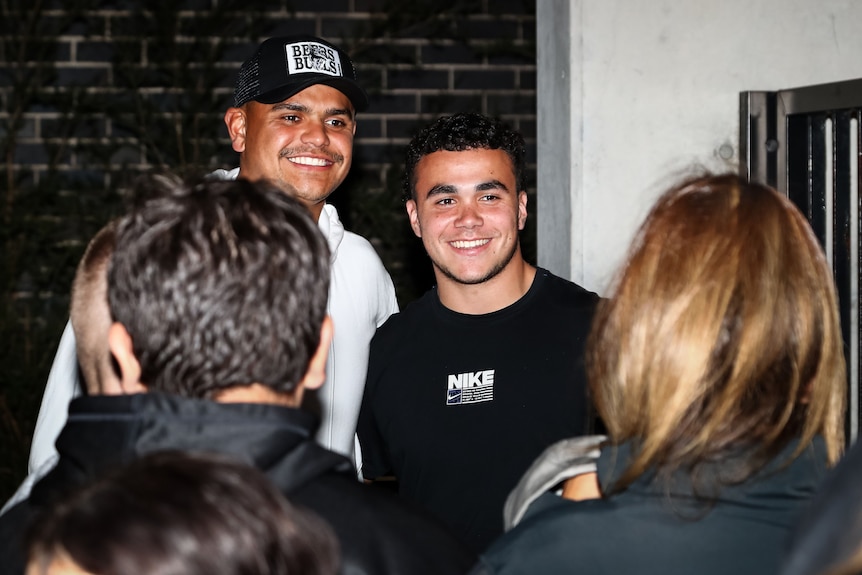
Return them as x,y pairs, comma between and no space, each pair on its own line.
464,131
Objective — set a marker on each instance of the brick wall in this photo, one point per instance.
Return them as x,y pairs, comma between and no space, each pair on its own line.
116,89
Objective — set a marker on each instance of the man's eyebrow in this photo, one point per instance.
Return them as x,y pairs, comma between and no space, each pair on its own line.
340,112
491,185
441,189
293,107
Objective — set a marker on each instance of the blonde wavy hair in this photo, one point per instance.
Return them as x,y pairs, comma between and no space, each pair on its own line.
721,333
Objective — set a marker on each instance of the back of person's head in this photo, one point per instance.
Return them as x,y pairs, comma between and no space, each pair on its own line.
89,311
219,284
721,333
171,513
461,132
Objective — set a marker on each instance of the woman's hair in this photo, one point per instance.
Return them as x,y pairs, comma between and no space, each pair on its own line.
720,334
171,512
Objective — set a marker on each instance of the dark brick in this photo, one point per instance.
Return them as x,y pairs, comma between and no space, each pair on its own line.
526,7
83,127
123,126
450,103
27,129
45,51
85,177
291,26
121,5
88,76
449,54
62,52
406,129
527,79
484,79
531,177
197,5
88,25
127,154
365,153
95,51
42,105
336,28
418,79
371,5
31,154
122,25
318,5
511,54
360,180
527,127
531,154
515,103
369,127
386,54
489,28
528,31
371,78
237,52
391,104
425,29
53,25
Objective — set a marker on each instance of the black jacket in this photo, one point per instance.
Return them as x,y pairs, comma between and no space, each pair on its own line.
377,531
663,528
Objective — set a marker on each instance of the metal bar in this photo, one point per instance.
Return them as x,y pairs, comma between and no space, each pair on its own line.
754,113
841,262
796,143
822,97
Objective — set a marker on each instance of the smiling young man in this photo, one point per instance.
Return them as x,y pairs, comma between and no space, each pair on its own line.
470,383
292,122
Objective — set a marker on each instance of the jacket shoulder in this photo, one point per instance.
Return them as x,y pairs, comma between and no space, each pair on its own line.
380,532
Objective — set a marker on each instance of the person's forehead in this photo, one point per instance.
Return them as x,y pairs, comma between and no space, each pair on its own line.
321,96
470,160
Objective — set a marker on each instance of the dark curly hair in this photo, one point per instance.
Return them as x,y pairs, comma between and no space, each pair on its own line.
464,131
220,284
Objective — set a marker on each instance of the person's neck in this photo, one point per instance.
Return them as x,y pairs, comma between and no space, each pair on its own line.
492,295
316,209
259,393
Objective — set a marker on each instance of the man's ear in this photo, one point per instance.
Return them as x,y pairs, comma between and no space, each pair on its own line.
522,209
315,375
234,119
120,344
413,214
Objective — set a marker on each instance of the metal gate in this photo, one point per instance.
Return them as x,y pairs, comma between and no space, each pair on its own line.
805,142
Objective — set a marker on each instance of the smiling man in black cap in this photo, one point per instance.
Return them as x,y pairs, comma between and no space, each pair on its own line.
293,122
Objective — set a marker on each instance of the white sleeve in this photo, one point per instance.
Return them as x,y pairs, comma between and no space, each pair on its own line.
63,386
387,302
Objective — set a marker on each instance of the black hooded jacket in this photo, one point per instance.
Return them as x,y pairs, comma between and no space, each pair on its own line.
378,532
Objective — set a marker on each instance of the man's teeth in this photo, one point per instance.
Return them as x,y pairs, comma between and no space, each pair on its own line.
466,244
306,161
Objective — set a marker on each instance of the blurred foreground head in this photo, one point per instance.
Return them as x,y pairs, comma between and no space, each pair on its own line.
721,333
171,513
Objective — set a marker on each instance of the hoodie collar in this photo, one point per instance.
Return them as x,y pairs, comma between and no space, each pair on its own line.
332,228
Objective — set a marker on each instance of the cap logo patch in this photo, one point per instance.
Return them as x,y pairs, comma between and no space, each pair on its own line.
303,57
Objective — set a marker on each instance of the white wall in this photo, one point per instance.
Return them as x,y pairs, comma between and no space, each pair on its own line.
656,84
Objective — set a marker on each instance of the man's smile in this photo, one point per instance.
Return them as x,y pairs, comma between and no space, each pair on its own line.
310,161
467,244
